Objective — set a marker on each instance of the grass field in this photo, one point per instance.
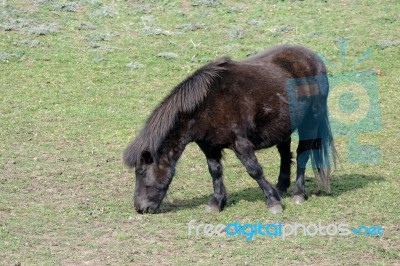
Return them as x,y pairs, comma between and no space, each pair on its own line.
79,78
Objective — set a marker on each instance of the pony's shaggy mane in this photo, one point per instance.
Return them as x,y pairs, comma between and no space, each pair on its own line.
184,98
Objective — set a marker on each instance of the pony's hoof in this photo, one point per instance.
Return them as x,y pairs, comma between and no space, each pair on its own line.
276,208
212,209
298,199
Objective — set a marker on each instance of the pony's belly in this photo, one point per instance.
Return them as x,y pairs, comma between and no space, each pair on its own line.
267,137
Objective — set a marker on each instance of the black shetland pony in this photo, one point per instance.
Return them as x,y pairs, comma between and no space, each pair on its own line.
244,106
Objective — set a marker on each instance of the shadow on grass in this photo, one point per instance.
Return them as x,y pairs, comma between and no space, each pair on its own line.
339,186
347,183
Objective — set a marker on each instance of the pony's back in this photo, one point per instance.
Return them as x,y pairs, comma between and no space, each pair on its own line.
299,61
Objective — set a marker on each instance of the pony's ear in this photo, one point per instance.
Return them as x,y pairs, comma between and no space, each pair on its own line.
147,158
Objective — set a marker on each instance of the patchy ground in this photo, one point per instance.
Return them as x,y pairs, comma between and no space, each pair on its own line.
79,78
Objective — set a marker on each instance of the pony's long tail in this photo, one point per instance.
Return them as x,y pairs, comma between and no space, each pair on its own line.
325,155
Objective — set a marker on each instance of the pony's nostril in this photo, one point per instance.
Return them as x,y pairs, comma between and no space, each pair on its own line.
139,209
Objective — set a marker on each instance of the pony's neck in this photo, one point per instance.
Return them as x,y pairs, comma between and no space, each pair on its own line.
172,148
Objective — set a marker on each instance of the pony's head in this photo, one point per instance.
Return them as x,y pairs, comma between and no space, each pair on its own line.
152,181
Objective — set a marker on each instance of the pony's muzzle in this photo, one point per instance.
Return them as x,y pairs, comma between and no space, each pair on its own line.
146,208
142,205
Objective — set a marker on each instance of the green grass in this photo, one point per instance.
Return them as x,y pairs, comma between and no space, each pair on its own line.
79,78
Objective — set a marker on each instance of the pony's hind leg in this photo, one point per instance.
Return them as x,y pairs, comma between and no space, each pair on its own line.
304,150
286,161
214,155
244,150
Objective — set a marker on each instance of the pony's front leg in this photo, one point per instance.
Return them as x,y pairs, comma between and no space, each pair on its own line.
214,155
245,152
219,198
